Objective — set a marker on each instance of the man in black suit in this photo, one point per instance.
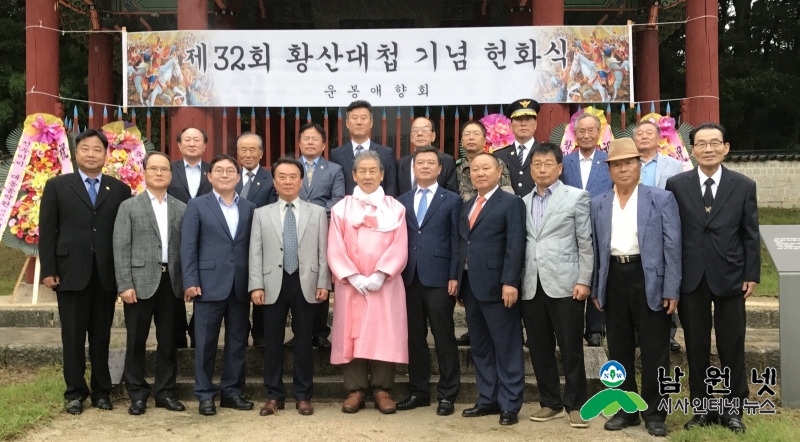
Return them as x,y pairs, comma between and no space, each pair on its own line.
423,133
75,247
189,180
490,260
432,214
359,124
257,187
518,155
721,265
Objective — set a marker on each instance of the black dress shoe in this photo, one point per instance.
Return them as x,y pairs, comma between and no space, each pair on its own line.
137,408
207,407
413,402
700,420
508,418
170,404
674,346
463,341
258,342
656,428
238,403
289,343
74,406
103,404
594,339
477,411
734,424
619,422
321,342
445,408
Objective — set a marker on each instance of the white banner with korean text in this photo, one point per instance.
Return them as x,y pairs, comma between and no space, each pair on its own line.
398,67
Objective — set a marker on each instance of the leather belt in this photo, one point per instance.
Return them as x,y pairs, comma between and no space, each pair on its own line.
164,268
626,259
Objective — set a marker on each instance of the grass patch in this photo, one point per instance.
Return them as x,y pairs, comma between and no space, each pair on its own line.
769,274
26,403
11,261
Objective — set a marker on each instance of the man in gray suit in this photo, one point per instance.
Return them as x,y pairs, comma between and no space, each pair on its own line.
657,168
323,185
289,271
557,281
637,243
147,259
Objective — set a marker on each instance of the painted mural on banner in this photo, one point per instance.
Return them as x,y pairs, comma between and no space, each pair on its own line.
399,67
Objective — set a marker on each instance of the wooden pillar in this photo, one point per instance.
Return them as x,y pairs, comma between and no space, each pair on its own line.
702,62
101,87
549,13
192,15
41,58
646,73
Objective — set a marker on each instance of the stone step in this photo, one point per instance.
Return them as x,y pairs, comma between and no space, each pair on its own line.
331,389
762,313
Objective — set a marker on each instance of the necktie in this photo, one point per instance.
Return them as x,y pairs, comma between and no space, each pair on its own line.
309,170
423,206
92,190
290,262
521,155
246,187
359,150
708,196
478,206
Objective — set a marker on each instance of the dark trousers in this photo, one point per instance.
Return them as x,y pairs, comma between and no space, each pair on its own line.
595,320
274,318
88,311
434,304
321,327
159,308
549,321
180,325
257,329
729,326
627,314
208,316
495,333
368,374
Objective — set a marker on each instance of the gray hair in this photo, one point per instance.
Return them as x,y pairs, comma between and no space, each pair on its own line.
653,123
254,135
368,154
588,115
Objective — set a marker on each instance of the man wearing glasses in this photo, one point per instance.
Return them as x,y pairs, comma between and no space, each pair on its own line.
423,133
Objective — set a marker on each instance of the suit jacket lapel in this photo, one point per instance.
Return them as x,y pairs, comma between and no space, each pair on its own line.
463,228
604,217
433,204
173,217
80,188
404,174
275,217
724,191
660,165
304,212
411,214
692,183
574,167
555,200
529,227
349,155
643,207
102,192
213,204
319,171
242,221
259,178
592,169
147,207
180,170
203,177
487,206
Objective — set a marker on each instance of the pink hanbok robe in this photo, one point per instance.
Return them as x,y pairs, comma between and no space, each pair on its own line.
372,326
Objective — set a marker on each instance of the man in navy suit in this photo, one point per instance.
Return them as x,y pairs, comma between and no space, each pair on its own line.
517,156
637,249
586,169
432,214
215,243
359,124
490,261
189,180
257,187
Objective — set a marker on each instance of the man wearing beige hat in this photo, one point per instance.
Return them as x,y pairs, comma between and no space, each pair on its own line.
637,248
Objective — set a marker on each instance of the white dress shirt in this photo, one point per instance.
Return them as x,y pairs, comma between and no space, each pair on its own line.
716,177
418,196
282,206
231,213
624,227
586,167
193,177
528,147
245,178
365,145
162,219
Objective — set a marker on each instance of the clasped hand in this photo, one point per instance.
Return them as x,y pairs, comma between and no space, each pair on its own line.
364,285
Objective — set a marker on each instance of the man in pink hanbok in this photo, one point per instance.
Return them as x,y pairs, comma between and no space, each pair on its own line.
367,250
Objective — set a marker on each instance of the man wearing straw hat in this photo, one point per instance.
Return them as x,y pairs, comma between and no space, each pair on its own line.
637,248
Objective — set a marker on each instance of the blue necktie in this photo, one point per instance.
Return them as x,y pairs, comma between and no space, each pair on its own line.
290,262
92,190
423,206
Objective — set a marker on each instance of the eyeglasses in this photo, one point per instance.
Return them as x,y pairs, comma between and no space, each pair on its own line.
475,133
153,169
586,131
715,144
420,130
221,172
311,139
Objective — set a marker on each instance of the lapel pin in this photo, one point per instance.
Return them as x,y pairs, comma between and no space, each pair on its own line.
108,188
258,184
